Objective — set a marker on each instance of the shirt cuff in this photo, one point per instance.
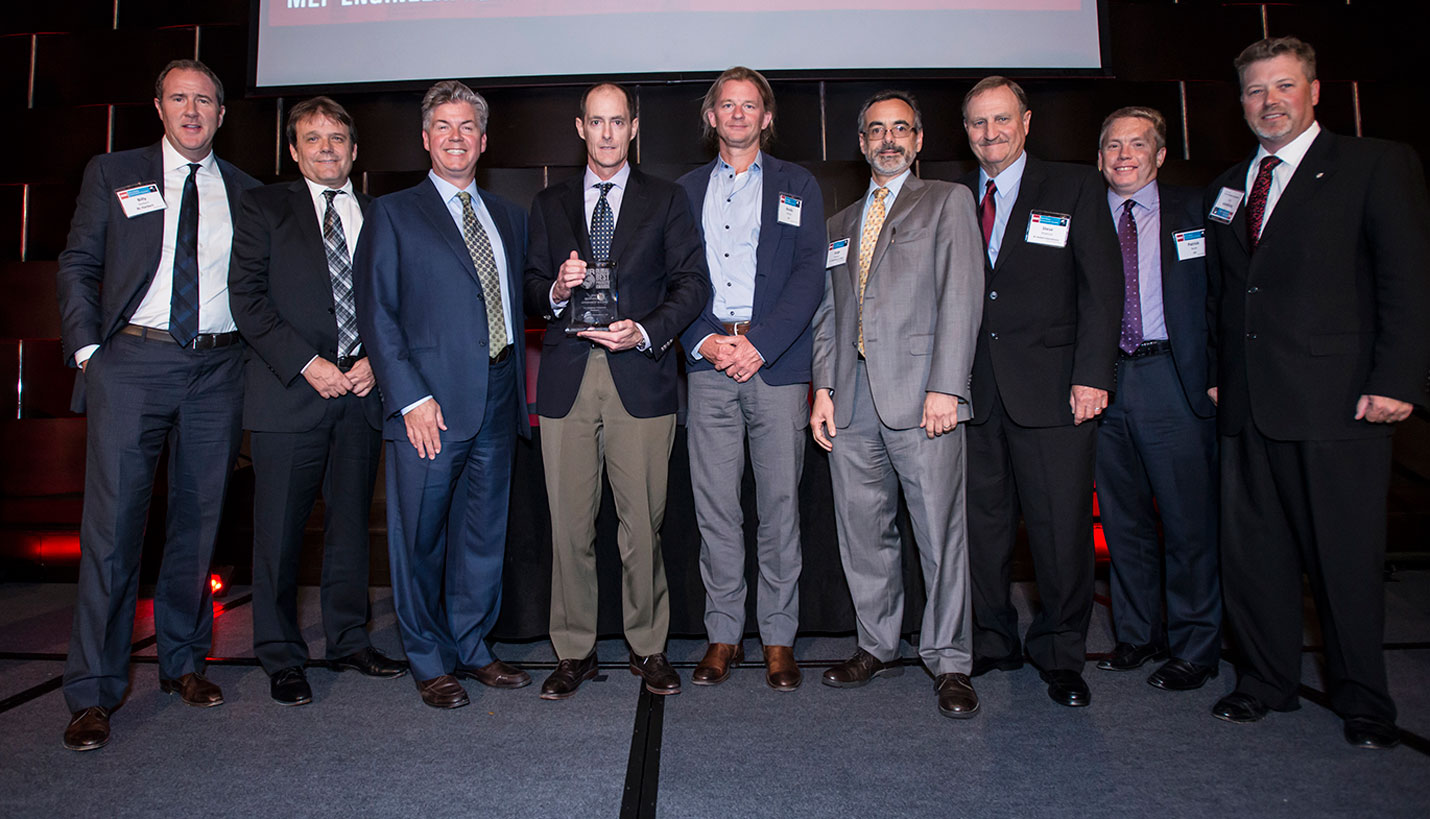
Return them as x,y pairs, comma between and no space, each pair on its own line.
645,339
695,354
309,364
556,306
82,354
415,404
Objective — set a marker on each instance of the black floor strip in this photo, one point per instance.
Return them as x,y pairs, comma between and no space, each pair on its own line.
643,766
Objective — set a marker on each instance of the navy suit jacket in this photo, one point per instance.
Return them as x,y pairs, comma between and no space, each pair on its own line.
661,282
789,273
281,294
1184,296
110,260
421,312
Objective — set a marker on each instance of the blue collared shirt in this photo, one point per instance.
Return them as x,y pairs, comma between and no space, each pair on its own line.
1006,185
1147,213
449,192
731,220
894,185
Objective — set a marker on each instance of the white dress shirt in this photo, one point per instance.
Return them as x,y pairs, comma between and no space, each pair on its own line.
1290,155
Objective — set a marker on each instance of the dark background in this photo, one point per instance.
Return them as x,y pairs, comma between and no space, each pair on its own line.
76,79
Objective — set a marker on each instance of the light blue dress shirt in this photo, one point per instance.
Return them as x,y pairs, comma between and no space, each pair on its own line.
731,220
1147,213
1007,185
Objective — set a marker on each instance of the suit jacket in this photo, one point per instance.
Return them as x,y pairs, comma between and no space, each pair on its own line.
421,312
1184,296
1051,316
281,294
110,260
920,305
789,273
1332,304
661,280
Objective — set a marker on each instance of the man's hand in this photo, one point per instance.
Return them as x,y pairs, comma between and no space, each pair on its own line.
940,413
716,349
1087,403
1211,393
742,360
325,377
618,336
423,423
362,378
570,275
821,420
1379,409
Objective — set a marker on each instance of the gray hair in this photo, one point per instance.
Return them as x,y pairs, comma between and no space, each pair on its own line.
884,96
448,91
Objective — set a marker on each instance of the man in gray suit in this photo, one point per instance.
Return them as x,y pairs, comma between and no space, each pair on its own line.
893,348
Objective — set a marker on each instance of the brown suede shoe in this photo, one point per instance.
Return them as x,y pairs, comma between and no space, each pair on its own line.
956,697
495,674
781,673
860,669
442,692
719,659
88,729
194,690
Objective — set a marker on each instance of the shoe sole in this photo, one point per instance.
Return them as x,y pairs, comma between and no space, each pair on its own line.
784,689
291,703
883,672
342,668
664,692
175,691
501,686
448,707
95,747
960,714
1237,720
1157,682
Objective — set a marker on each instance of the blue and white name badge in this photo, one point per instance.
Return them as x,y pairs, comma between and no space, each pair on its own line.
1047,228
1191,244
140,199
1224,209
789,209
838,253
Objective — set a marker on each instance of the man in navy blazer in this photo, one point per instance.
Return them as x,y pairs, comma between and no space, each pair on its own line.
748,371
437,276
1156,442
143,292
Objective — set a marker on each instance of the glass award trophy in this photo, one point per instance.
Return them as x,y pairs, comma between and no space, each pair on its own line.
593,304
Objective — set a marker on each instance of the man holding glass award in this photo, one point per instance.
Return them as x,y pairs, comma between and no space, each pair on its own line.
617,269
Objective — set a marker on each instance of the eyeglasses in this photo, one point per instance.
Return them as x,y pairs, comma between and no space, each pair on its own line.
899,130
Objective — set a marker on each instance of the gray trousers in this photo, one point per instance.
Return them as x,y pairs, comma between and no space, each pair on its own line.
721,414
868,465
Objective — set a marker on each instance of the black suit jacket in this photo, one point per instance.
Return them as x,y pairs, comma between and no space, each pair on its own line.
110,260
1184,295
661,278
1332,304
1051,316
280,291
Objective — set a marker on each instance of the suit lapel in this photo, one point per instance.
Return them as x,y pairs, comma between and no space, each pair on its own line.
1028,191
574,203
1315,168
912,191
772,184
508,241
634,204
301,201
1238,219
432,206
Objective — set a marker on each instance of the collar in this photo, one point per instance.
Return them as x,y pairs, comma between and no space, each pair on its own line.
894,185
173,159
1010,178
447,190
316,191
1147,196
621,178
1293,152
721,166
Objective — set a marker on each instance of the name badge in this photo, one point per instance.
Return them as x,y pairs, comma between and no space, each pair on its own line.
1046,228
1191,244
789,210
1227,201
140,199
838,253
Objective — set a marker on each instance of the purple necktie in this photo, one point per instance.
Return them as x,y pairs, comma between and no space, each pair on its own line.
1132,299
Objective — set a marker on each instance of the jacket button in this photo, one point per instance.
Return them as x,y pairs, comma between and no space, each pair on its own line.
1253,289
1250,336
993,336
993,295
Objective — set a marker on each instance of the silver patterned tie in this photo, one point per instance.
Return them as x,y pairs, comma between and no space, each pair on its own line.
340,271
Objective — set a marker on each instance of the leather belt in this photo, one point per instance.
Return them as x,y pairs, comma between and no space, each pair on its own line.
346,362
1147,348
736,328
203,341
503,355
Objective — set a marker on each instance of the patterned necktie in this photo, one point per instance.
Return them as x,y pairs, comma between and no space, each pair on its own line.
184,300
873,223
340,272
987,213
1256,205
1132,299
603,225
479,247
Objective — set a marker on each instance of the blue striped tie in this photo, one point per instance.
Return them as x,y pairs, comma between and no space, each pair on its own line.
184,302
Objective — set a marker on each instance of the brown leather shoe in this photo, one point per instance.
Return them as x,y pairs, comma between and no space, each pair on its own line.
956,697
194,689
495,674
443,692
568,676
860,669
655,669
781,673
88,729
719,659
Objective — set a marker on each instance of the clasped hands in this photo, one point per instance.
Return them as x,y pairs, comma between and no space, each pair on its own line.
331,382
734,356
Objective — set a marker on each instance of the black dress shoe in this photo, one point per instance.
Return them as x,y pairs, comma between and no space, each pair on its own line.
289,686
496,674
660,677
1126,656
1067,688
1372,732
1181,675
567,677
956,697
1239,708
88,730
442,692
860,669
371,663
983,665
194,689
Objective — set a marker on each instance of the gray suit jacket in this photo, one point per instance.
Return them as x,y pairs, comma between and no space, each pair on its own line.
921,305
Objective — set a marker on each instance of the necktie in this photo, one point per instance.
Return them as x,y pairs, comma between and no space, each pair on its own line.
987,212
1132,299
603,225
184,300
340,272
873,223
1256,205
479,247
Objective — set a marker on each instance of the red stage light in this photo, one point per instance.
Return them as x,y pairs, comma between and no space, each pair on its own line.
215,583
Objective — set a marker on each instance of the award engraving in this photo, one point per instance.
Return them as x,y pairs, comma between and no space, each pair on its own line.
593,304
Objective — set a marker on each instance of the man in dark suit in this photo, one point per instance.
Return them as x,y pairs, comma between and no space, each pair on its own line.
763,224
607,397
1317,250
1042,370
143,291
437,277
309,402
1156,442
